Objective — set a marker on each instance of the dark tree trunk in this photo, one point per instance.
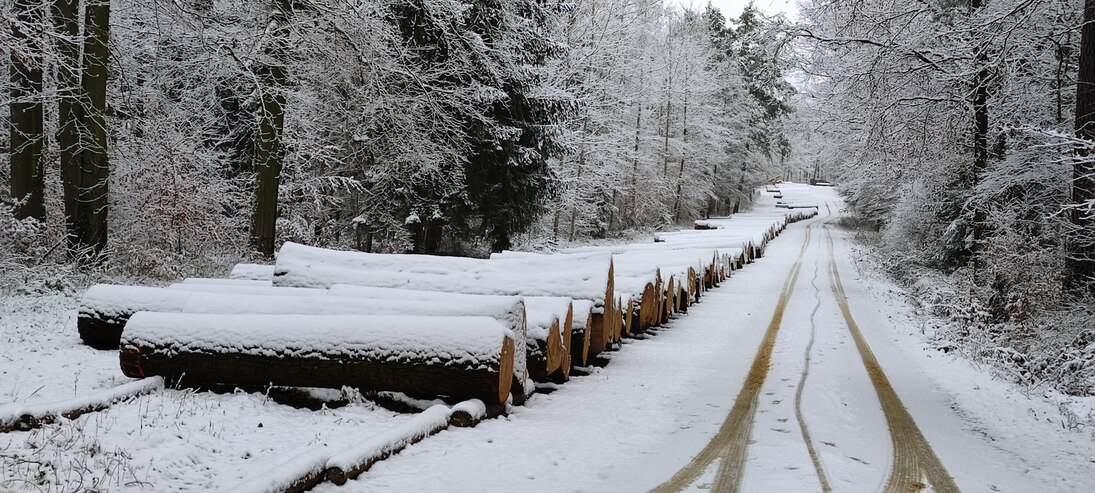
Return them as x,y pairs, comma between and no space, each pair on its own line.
66,23
26,113
272,77
680,172
1082,264
980,137
94,174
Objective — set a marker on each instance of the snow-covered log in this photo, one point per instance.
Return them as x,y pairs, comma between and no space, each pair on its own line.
563,308
124,301
27,416
104,310
347,465
580,334
589,278
296,475
470,412
261,283
643,309
549,320
256,272
253,289
459,357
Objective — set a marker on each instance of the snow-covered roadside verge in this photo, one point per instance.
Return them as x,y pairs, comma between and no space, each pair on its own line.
167,440
1035,430
944,337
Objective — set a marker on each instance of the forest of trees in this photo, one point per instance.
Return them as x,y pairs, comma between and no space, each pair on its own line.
961,130
152,136
156,139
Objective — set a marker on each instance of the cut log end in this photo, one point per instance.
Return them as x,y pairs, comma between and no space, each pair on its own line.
505,370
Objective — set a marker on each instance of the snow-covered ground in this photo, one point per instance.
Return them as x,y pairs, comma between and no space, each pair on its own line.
628,426
633,424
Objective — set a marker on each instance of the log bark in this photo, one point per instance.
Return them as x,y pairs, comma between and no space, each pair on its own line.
457,357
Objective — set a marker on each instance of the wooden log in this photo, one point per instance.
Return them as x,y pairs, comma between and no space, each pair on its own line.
260,283
469,413
549,320
581,335
252,287
669,299
28,416
588,278
564,309
546,347
630,319
299,474
647,308
458,357
104,310
350,464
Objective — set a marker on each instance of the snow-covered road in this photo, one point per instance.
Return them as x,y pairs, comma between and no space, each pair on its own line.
660,409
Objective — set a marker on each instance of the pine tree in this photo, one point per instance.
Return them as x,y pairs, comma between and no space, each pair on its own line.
507,172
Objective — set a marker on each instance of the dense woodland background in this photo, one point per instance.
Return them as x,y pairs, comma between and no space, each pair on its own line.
425,126
157,139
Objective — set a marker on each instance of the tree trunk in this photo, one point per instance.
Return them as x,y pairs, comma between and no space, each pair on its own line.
665,147
94,171
272,77
352,463
66,23
578,182
680,172
1082,262
26,113
635,158
980,137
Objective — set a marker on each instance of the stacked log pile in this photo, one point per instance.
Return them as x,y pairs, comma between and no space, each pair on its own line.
456,328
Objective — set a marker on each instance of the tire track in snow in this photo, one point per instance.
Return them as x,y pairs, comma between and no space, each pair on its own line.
913,458
814,457
731,442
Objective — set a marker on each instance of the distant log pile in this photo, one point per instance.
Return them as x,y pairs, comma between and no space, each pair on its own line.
429,326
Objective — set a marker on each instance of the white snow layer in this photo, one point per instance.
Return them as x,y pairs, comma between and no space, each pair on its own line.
463,341
395,439
257,272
